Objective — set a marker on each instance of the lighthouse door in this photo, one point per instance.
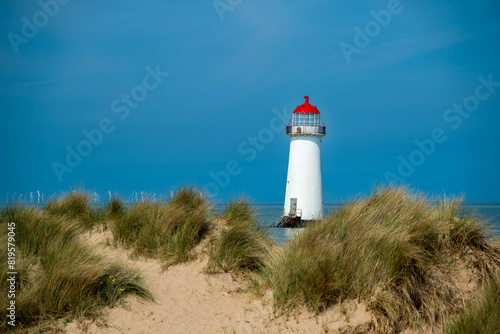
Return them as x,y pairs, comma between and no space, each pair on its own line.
293,206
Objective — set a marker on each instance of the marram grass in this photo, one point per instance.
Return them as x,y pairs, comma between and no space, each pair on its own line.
75,205
166,230
382,250
58,275
238,210
240,244
115,208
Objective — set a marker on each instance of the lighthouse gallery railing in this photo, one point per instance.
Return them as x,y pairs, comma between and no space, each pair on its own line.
305,129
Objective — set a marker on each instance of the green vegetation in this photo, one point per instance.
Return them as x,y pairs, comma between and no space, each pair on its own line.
57,274
483,316
239,210
115,208
166,230
240,245
385,250
75,205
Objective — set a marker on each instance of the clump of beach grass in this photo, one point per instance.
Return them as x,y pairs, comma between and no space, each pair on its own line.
240,245
483,315
238,210
115,208
75,205
58,275
166,230
384,250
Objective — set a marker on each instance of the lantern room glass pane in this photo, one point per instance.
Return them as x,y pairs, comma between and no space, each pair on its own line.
305,119
297,119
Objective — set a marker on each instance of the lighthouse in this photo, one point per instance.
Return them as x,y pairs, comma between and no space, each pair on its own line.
304,184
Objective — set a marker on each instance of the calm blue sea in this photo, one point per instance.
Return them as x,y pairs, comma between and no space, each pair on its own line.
270,212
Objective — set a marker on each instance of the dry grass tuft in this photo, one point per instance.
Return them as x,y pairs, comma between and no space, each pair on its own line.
75,206
166,230
240,244
115,208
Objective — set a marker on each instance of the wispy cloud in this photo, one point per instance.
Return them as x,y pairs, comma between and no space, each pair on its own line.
39,83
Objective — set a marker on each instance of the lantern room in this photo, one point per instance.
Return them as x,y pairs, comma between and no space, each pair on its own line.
306,120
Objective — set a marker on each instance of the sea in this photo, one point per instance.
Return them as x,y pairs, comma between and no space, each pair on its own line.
269,213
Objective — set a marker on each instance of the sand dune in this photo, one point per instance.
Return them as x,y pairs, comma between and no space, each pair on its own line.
186,300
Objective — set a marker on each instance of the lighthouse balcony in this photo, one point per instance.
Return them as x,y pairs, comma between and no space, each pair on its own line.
317,130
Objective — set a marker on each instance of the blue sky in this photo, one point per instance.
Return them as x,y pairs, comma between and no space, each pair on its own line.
212,115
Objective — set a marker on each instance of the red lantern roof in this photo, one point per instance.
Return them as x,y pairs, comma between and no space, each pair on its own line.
306,108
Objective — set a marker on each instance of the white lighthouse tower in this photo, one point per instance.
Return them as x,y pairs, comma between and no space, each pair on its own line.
304,185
